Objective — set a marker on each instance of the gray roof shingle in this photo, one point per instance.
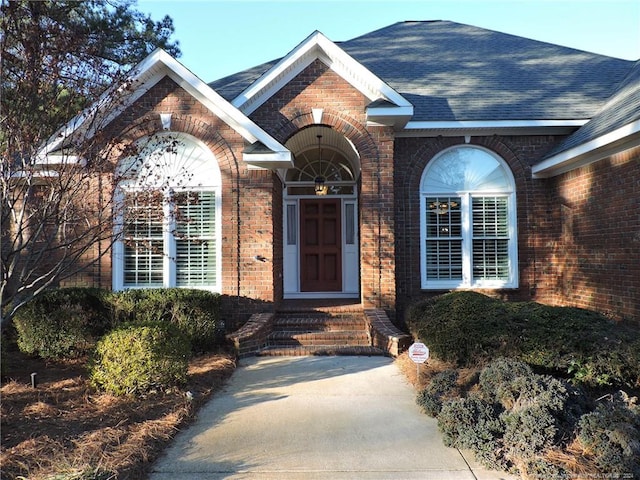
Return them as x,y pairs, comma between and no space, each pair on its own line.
451,71
621,109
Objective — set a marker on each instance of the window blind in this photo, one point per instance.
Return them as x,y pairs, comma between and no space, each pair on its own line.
490,226
444,238
195,237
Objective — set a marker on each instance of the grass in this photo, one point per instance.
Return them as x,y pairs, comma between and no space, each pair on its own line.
63,429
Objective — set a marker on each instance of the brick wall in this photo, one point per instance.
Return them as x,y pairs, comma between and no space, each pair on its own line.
289,110
249,225
412,156
578,234
592,254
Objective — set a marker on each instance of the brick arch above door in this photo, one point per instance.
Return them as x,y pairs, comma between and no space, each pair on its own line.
349,127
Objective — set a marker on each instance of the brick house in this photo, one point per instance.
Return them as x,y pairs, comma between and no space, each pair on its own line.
419,158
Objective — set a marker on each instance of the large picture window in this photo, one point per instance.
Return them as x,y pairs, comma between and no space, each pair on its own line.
168,220
468,221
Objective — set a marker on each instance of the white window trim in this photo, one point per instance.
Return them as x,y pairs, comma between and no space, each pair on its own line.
169,243
467,281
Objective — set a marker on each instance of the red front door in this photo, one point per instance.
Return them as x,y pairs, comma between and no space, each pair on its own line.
320,246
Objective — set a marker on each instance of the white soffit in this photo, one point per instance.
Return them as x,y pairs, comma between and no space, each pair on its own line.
317,46
589,152
142,78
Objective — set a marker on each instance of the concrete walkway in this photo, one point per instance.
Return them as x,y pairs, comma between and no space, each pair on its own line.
315,418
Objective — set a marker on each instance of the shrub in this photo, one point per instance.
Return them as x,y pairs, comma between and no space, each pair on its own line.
469,329
539,468
430,398
64,322
497,379
465,328
611,435
195,312
474,424
514,418
134,359
539,410
529,431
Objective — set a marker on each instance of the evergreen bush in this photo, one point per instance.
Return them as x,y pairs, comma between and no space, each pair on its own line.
611,435
514,417
474,424
497,379
464,328
470,329
195,312
135,359
540,468
430,398
61,323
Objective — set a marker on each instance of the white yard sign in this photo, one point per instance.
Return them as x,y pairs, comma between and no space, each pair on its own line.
418,352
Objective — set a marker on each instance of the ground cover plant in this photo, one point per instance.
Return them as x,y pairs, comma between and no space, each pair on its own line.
524,387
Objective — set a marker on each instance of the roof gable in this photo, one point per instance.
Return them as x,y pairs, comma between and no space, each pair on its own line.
387,106
158,65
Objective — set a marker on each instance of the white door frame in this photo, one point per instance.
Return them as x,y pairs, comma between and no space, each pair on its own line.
350,248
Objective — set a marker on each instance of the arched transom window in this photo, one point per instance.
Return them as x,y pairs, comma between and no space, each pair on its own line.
320,171
468,221
168,220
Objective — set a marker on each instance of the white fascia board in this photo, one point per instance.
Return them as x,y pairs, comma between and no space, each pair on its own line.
269,161
488,127
589,152
35,174
396,117
220,107
316,46
60,159
149,72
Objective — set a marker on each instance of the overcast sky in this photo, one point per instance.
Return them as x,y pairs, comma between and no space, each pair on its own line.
221,37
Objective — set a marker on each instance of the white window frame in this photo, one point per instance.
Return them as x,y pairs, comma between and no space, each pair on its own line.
209,183
467,281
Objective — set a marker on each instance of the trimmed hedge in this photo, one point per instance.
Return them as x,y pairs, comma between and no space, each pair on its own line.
135,359
468,328
195,312
65,322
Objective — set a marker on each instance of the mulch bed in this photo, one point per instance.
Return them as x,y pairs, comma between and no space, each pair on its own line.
65,427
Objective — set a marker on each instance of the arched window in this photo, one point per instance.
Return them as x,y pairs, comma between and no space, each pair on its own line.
168,215
468,221
326,164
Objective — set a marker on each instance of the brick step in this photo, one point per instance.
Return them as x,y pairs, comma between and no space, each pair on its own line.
324,338
319,322
299,351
